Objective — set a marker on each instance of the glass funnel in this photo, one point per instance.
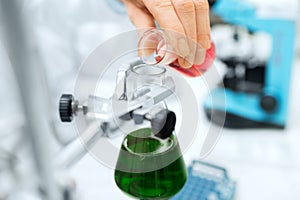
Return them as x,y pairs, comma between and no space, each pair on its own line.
150,158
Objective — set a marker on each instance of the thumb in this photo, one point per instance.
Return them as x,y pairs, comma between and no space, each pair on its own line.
143,21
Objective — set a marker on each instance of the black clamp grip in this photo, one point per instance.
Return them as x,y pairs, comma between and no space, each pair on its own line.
66,107
163,124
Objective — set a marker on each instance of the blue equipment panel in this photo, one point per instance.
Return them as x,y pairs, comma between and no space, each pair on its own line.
206,182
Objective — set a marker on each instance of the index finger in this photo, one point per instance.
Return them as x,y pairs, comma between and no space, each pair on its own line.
203,23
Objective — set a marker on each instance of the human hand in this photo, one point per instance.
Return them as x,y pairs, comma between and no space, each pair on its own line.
185,22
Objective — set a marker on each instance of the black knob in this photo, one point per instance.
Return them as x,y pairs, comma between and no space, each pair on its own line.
163,124
211,2
65,107
268,103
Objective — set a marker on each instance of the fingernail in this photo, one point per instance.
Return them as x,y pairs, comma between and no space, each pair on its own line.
190,59
183,47
200,56
185,64
204,41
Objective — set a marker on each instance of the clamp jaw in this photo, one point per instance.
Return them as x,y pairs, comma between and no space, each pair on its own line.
119,107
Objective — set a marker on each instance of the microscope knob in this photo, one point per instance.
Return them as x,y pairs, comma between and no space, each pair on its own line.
65,107
211,2
268,103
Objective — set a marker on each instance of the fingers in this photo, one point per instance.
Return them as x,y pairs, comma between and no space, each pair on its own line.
203,29
185,11
185,22
164,13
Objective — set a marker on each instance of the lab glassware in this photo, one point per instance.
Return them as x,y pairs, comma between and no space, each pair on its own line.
155,49
150,158
142,150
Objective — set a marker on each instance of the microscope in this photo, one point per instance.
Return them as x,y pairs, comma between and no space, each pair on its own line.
257,93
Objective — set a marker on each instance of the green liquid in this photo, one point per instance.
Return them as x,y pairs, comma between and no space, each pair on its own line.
150,168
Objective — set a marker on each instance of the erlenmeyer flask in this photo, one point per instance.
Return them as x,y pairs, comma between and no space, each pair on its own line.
150,158
141,151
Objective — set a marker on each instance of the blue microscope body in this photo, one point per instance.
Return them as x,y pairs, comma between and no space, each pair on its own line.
267,106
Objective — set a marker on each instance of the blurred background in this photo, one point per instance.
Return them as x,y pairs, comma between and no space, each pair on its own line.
259,151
